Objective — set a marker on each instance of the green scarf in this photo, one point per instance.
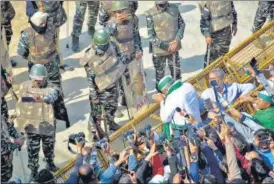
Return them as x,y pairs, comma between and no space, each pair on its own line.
266,117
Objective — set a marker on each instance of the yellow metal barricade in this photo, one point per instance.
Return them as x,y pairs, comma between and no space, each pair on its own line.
259,45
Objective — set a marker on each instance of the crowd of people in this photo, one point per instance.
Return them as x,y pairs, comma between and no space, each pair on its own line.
236,148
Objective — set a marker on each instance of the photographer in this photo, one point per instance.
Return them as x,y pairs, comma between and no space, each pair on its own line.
8,147
87,174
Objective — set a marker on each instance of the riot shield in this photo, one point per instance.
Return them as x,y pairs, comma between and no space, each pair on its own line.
135,88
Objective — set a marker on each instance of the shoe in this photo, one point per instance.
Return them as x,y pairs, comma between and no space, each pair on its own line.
75,44
123,101
67,124
33,176
113,126
13,63
51,167
66,67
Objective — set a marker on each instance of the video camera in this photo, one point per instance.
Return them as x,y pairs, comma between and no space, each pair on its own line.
191,133
128,135
76,138
102,144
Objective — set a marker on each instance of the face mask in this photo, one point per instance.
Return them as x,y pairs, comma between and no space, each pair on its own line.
39,30
101,49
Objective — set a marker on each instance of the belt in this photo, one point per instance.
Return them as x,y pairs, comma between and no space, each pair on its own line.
221,16
125,40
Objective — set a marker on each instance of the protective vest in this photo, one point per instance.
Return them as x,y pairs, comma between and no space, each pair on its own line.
42,47
124,37
34,117
107,68
221,14
165,25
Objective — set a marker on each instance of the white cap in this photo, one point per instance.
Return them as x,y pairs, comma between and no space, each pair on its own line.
39,18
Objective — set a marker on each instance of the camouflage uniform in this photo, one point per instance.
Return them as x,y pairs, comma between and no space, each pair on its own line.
7,14
81,6
42,126
108,94
50,58
4,89
5,72
265,9
164,27
57,17
7,148
218,27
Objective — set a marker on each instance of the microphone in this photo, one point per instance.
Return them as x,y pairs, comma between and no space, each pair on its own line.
182,113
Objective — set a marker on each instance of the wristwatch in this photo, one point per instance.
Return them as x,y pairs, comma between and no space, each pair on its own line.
194,157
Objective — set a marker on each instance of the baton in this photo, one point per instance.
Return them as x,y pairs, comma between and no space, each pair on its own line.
67,46
208,54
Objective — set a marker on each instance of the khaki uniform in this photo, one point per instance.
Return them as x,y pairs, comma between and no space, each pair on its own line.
37,121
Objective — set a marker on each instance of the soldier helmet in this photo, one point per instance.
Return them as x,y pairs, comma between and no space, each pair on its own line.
161,2
119,5
101,37
38,72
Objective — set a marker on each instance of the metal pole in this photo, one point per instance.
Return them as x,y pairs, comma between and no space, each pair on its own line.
174,66
67,46
208,54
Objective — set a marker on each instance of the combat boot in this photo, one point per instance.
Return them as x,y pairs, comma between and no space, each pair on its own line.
75,44
113,126
33,176
51,166
13,63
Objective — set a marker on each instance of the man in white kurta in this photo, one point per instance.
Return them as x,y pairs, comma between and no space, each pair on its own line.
177,94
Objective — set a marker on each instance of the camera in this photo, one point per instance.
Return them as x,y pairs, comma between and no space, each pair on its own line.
102,144
128,135
148,130
191,132
76,138
159,142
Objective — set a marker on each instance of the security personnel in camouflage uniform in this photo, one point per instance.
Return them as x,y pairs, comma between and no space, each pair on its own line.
57,17
35,117
79,17
6,78
165,30
7,148
218,23
7,14
265,9
38,45
106,8
124,31
104,65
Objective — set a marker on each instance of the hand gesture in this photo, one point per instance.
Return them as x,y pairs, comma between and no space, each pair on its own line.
158,98
173,46
19,141
208,40
193,148
152,152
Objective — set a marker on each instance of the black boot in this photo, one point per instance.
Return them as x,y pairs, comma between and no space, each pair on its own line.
66,67
75,44
112,126
67,124
33,176
13,63
51,167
